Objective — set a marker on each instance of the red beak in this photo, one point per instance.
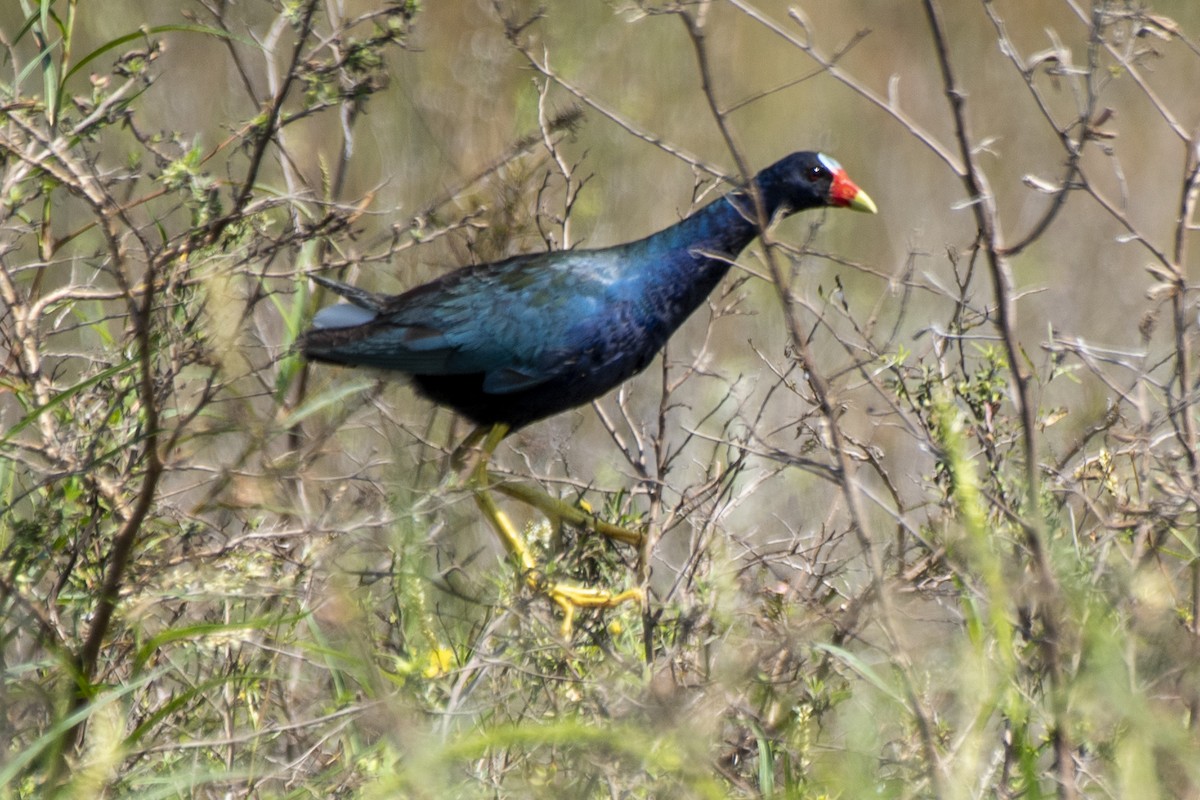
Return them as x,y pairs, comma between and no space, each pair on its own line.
845,193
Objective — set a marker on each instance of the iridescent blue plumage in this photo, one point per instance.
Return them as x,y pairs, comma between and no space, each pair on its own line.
518,340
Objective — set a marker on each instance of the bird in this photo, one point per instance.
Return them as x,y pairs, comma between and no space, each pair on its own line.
509,343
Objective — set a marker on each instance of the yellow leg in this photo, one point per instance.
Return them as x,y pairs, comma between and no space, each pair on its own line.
558,510
567,596
459,457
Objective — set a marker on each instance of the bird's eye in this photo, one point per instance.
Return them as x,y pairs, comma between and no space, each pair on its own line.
817,173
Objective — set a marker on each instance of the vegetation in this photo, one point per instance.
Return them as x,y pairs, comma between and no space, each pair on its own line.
922,495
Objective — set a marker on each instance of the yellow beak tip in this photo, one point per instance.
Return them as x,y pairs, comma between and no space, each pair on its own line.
863,202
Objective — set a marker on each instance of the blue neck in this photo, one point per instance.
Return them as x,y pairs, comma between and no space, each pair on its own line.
672,272
722,228
697,252
727,225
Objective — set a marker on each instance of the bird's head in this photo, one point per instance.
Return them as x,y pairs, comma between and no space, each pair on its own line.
810,180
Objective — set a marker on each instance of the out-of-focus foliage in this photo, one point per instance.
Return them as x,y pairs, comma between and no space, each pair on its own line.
922,489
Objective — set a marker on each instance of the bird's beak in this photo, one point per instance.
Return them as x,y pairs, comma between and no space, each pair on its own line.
845,193
862,202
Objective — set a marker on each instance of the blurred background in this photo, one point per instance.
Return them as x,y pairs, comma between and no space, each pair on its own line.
308,554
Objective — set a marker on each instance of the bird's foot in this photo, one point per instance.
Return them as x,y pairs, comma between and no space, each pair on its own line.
570,598
563,511
567,596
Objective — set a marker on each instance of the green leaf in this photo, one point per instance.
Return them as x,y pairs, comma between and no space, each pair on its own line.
145,32
203,629
63,397
18,761
858,665
326,399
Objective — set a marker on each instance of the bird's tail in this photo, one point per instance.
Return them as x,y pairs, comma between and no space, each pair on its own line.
363,306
